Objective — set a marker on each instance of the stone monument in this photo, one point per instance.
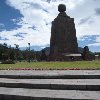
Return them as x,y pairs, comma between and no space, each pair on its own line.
63,35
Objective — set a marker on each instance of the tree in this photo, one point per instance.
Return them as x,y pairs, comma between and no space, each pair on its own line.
12,55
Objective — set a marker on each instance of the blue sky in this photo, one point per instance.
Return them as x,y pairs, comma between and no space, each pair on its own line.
29,21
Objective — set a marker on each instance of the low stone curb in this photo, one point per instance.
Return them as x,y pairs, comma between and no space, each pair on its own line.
48,69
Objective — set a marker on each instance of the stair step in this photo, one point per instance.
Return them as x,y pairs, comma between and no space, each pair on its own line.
44,94
50,85
57,84
53,74
51,77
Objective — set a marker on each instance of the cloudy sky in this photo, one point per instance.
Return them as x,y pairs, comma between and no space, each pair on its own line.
29,21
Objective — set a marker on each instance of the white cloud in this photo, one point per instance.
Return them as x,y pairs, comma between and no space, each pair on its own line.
39,12
2,25
94,44
91,27
98,39
97,44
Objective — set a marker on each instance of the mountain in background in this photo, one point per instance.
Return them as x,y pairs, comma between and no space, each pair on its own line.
35,48
47,50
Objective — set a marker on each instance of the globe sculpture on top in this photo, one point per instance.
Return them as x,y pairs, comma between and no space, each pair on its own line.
61,8
63,36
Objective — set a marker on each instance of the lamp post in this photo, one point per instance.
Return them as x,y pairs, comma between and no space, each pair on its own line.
29,52
15,52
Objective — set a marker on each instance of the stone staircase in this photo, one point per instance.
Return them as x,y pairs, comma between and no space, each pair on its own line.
50,85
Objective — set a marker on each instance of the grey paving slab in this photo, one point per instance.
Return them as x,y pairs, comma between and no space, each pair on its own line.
64,84
55,94
53,81
50,74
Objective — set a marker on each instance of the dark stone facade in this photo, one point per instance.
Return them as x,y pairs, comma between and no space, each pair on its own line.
63,35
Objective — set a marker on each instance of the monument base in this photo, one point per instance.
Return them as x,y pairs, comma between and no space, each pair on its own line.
66,57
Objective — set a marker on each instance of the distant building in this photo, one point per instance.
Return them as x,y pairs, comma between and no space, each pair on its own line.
96,57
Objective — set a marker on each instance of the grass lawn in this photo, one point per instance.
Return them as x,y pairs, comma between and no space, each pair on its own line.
54,65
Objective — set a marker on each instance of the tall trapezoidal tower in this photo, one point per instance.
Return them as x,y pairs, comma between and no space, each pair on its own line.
63,35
